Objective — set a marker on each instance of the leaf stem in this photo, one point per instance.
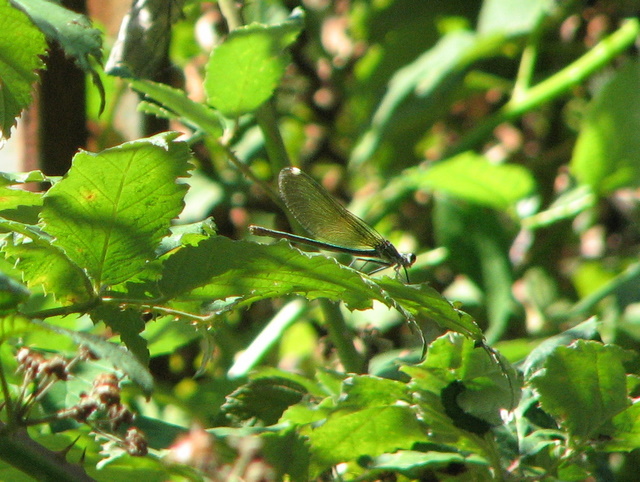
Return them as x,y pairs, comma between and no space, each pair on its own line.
64,310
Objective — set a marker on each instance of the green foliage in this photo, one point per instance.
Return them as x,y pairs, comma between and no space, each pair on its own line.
176,104
477,128
71,31
132,191
243,72
472,178
600,160
587,377
19,60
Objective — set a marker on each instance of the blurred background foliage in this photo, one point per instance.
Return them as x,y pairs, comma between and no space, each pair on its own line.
497,139
382,102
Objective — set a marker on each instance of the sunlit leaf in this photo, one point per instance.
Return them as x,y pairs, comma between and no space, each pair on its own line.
244,70
584,378
369,432
112,209
219,269
21,48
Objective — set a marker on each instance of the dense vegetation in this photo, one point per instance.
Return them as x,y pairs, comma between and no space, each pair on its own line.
146,334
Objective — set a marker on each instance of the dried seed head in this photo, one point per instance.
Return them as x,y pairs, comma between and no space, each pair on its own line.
136,443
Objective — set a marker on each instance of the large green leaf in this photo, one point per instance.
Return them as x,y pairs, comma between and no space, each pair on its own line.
21,46
586,378
472,387
606,155
369,432
244,70
112,209
220,273
72,30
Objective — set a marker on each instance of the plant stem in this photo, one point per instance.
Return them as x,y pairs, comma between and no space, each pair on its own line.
268,122
8,401
28,456
556,85
342,337
64,310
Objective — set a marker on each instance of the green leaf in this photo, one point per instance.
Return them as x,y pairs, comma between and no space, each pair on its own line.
71,30
511,17
425,303
570,472
219,268
8,178
484,388
112,209
192,113
412,464
288,453
128,324
586,330
19,205
263,399
21,46
600,159
369,432
626,433
243,273
165,335
45,265
584,378
473,178
245,69
12,294
367,391
14,326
